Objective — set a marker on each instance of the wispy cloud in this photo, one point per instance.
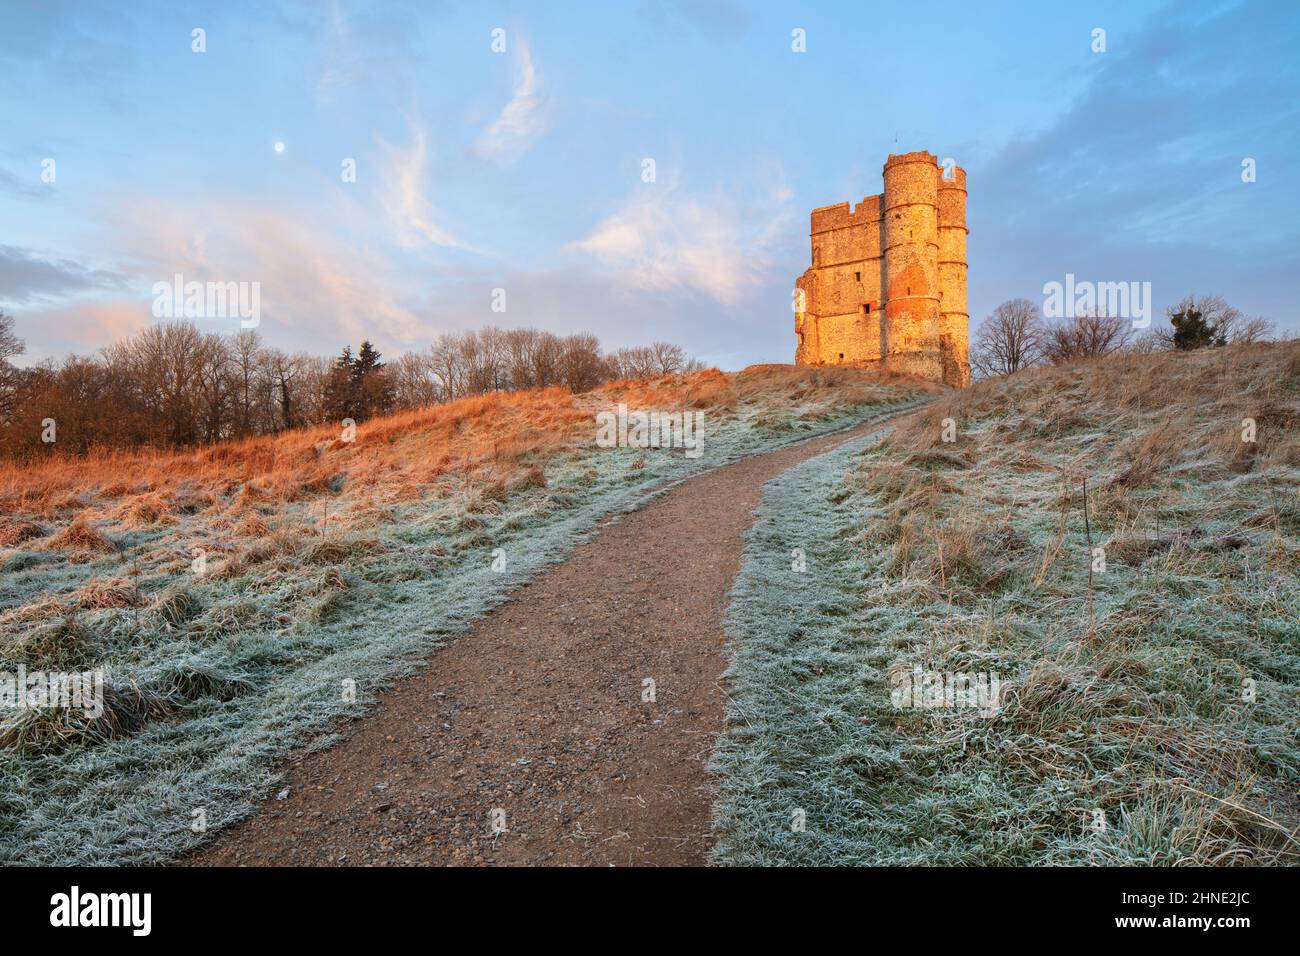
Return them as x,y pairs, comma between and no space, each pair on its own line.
668,240
407,206
340,63
315,285
524,118
54,330
28,277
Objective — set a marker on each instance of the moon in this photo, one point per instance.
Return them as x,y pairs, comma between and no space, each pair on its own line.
279,147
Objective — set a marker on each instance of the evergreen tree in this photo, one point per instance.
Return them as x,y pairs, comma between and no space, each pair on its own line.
340,397
371,387
367,360
1192,330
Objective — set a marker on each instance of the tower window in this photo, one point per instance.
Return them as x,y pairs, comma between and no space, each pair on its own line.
857,277
841,356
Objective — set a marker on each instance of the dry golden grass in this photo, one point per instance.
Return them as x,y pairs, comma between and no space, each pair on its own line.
492,433
1133,426
284,506
145,511
113,592
289,506
709,388
42,610
14,532
1200,398
79,536
496,440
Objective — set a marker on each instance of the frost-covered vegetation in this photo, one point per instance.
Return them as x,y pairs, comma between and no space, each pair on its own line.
234,594
1150,711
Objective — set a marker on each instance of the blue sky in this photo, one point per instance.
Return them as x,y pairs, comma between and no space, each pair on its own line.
522,170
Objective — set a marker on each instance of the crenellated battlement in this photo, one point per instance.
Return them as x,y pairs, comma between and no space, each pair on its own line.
842,215
887,284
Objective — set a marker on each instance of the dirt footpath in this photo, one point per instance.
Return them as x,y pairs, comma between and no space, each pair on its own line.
534,719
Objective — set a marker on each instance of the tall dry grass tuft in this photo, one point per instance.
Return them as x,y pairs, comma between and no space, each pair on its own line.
14,532
97,594
79,536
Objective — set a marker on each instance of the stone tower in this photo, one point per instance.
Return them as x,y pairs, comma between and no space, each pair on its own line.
887,286
953,317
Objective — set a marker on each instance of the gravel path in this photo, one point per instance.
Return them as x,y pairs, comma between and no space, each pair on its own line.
534,719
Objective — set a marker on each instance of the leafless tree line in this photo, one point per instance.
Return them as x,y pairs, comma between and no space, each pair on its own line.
1016,336
176,385
490,359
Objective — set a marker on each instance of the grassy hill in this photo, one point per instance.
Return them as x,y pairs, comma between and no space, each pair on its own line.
1149,691
242,598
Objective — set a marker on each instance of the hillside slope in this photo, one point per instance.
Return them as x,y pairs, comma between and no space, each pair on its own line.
1146,652
239,599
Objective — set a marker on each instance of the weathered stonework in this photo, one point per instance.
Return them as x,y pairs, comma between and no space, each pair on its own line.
887,286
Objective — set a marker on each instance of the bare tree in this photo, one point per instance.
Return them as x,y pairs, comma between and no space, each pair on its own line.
478,362
284,373
1255,329
10,345
247,362
444,359
1153,340
214,389
520,355
669,359
162,363
1087,336
546,360
636,362
582,364
493,356
80,395
174,384
1010,339
414,382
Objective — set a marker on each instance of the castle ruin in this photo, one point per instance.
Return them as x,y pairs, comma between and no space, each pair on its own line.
887,286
